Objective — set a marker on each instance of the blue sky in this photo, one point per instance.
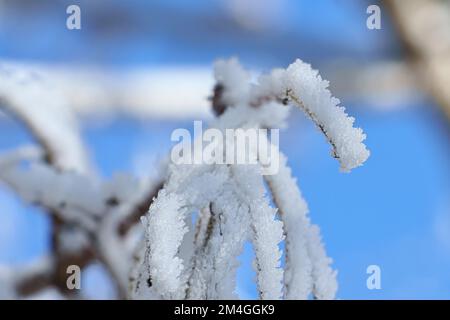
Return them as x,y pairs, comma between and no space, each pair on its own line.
393,212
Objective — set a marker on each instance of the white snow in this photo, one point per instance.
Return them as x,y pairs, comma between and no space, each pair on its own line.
232,203
307,265
165,230
304,87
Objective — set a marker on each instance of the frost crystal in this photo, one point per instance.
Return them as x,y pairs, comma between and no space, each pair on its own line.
302,86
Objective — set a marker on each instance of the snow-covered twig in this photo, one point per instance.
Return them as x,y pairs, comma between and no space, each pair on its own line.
307,266
231,198
301,85
90,212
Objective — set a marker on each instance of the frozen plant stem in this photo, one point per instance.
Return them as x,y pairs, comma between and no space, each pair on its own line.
312,116
232,200
305,88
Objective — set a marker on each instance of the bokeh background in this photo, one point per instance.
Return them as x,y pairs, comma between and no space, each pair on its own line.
393,212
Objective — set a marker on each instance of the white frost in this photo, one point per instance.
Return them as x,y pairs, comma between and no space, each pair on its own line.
165,230
231,200
307,265
304,87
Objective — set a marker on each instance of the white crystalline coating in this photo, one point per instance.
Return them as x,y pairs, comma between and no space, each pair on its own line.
307,265
267,235
225,245
293,212
325,283
235,196
214,267
165,230
233,204
304,87
235,80
267,232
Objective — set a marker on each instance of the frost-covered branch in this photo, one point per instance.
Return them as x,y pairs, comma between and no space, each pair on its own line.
92,91
303,87
91,213
307,265
231,203
92,219
31,98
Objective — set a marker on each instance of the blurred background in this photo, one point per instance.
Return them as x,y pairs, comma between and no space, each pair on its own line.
139,69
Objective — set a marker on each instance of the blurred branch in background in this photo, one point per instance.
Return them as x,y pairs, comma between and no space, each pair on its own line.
31,99
92,220
89,91
146,92
424,28
182,92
